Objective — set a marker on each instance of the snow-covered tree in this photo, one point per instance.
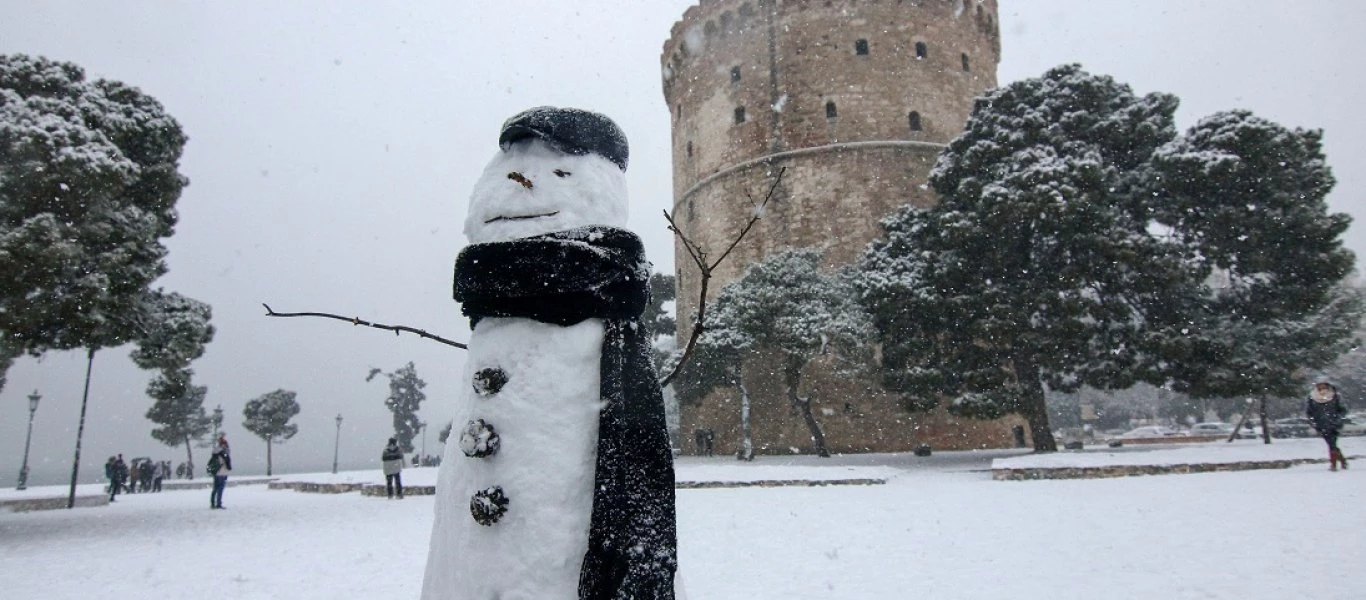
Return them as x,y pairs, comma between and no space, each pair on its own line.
1245,197
786,305
178,410
268,417
1037,266
404,400
88,185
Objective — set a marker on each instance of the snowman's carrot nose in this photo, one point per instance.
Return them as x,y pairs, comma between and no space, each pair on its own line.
519,178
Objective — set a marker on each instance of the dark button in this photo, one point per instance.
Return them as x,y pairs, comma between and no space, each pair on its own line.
488,381
479,440
489,505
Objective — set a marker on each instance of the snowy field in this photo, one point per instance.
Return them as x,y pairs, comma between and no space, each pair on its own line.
940,528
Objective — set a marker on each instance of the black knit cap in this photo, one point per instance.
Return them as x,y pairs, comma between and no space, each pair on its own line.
569,130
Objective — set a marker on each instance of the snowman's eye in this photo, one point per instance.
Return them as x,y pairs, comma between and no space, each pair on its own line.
561,173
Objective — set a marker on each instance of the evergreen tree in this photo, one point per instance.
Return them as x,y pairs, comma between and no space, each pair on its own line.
88,185
1037,266
1245,197
268,417
405,398
178,410
174,332
786,305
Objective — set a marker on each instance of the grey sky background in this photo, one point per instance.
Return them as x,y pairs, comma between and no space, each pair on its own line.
333,146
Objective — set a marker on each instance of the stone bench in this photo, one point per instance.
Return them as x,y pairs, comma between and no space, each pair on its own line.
52,503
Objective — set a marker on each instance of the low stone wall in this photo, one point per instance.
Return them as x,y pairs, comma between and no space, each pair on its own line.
52,503
204,484
699,485
1034,473
408,490
316,488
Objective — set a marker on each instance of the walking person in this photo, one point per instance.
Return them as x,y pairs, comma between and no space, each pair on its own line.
111,472
158,473
393,468
1324,408
220,465
121,474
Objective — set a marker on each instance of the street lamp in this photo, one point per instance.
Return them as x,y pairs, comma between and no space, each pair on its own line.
32,408
336,446
422,460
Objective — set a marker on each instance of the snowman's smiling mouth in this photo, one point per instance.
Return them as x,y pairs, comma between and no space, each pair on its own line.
520,217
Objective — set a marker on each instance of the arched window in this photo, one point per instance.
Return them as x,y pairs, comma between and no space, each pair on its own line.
861,47
735,73
739,115
689,149
966,66
921,50
915,121
830,111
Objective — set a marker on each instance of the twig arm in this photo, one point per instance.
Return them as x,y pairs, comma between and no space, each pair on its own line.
359,321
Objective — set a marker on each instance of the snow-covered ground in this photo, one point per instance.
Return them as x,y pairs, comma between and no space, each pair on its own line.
940,528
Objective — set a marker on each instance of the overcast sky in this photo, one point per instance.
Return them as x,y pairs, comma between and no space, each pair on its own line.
332,147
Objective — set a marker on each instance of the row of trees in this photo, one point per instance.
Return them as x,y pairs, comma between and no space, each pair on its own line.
1078,241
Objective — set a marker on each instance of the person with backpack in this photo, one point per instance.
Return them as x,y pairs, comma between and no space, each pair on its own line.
393,468
1325,410
220,465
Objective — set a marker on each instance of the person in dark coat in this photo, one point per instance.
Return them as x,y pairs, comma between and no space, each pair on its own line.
220,464
111,472
1325,409
393,468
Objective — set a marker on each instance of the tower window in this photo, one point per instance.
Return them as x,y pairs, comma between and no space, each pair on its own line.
739,115
915,121
922,51
689,149
735,73
830,111
966,66
861,47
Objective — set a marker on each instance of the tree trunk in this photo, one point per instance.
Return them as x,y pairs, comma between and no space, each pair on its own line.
1266,427
268,444
189,459
793,374
80,429
1034,409
747,439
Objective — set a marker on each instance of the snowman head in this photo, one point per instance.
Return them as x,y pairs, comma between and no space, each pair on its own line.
556,169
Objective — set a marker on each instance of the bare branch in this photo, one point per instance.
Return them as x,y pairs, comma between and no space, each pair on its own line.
699,257
758,212
359,321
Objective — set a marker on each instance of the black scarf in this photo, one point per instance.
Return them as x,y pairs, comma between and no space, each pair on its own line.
564,278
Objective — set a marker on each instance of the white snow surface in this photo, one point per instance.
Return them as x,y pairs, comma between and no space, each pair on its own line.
940,528
567,191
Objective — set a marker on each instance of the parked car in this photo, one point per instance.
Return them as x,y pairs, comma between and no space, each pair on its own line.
1212,429
1353,426
1148,431
1293,427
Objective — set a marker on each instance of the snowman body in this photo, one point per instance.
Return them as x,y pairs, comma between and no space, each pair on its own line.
527,417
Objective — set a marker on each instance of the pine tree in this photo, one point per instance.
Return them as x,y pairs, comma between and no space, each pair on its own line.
1245,198
178,410
89,186
268,417
1036,266
786,305
404,400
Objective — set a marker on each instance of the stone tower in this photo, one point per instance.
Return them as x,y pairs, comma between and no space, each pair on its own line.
855,98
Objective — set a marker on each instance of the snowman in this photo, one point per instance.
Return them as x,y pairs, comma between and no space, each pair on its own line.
559,483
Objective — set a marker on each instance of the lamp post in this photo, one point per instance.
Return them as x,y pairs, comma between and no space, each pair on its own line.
422,460
32,408
336,446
